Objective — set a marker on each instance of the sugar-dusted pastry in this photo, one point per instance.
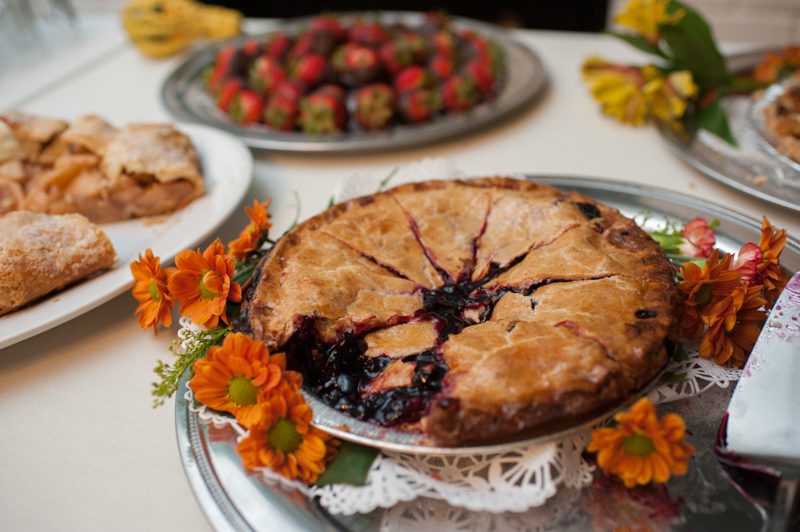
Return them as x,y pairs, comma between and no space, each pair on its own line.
40,253
92,168
469,311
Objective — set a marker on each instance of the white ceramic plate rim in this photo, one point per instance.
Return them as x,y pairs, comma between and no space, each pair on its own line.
228,169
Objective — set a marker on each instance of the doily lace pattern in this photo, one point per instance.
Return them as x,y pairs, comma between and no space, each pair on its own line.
464,488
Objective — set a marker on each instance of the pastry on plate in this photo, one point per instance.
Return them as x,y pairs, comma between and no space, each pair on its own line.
92,168
41,253
782,120
469,311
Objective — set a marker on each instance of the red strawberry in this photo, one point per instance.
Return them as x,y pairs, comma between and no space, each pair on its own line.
266,74
332,90
355,64
221,67
290,89
329,24
228,92
252,47
441,67
418,105
281,112
309,70
278,45
415,44
411,78
374,105
459,94
480,72
444,43
396,57
322,113
247,107
474,44
368,33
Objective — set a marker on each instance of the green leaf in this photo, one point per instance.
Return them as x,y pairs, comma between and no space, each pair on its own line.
385,180
712,118
680,353
350,466
638,42
693,47
669,377
669,243
331,203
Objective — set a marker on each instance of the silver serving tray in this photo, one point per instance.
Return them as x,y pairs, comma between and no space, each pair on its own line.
234,500
525,78
755,167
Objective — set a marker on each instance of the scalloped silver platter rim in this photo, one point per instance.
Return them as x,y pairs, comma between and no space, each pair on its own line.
526,79
739,178
630,199
756,116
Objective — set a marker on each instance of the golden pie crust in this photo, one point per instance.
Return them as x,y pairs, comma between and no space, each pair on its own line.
567,307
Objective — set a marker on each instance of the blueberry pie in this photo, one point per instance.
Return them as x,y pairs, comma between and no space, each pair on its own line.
469,311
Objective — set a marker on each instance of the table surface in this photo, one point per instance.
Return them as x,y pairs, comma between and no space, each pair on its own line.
82,448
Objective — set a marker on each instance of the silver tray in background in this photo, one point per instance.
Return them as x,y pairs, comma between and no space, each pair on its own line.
704,499
755,167
523,80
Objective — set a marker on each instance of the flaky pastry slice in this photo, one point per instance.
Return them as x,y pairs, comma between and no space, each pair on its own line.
40,253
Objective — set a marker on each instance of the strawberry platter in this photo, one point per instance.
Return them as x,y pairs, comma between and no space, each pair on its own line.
357,82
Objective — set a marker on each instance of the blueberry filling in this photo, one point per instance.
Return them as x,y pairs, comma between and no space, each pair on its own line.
589,210
644,313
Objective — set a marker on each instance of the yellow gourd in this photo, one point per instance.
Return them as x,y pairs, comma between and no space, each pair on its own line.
161,28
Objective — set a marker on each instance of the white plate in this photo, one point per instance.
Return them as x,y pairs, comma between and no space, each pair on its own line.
228,168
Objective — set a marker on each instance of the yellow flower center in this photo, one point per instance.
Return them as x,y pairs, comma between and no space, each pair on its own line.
242,391
703,295
638,444
284,436
155,294
205,291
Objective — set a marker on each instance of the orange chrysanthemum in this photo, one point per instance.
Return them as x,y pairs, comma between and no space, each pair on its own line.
150,290
734,324
769,269
250,237
702,287
775,66
202,284
238,375
641,449
284,439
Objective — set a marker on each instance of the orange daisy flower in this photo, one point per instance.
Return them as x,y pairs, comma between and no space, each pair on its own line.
641,449
150,290
775,66
202,284
769,269
235,376
284,439
702,287
734,324
250,237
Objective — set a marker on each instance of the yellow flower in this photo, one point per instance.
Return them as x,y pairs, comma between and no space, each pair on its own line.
667,95
618,89
284,439
641,449
236,375
644,16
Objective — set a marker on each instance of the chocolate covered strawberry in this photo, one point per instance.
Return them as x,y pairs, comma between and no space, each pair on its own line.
374,106
278,45
443,42
356,64
411,78
309,70
322,113
219,71
418,105
332,90
281,112
328,24
403,51
415,44
368,33
479,70
247,107
314,43
228,92
266,74
459,93
441,67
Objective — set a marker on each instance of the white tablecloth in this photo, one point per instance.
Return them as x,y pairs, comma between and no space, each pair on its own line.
80,446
